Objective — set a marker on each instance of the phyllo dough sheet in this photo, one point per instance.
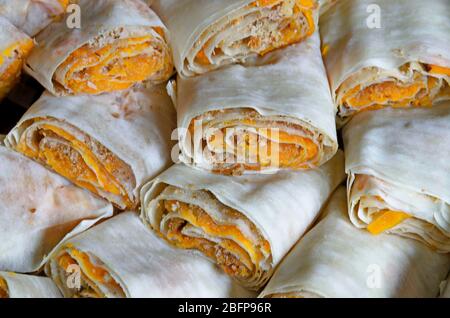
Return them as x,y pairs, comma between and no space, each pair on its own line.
13,285
122,258
387,53
208,34
399,173
337,260
38,209
245,224
109,144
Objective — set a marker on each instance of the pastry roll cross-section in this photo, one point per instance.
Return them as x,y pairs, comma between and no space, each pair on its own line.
120,43
245,224
399,173
376,59
208,34
13,285
122,258
38,210
15,46
274,113
337,260
109,144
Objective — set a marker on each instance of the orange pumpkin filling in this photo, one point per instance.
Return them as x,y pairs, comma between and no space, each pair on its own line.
435,69
18,53
76,161
386,220
234,253
117,66
291,29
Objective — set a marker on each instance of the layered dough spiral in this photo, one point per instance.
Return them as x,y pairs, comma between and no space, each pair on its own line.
240,140
95,280
417,85
258,28
80,158
196,220
381,207
115,65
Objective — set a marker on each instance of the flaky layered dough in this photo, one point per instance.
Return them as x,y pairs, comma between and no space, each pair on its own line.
14,49
94,279
239,140
418,85
100,67
78,157
230,238
238,30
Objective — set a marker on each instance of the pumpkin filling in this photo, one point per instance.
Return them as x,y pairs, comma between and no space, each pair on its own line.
386,220
280,23
225,243
3,289
95,69
13,57
253,148
92,275
391,93
86,163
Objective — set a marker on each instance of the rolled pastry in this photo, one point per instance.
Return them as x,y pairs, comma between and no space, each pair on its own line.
207,34
232,123
38,210
244,224
376,60
337,260
152,268
15,46
13,285
32,16
109,144
399,173
120,43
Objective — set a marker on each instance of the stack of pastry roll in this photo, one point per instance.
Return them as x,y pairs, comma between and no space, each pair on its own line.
273,113
245,224
122,258
208,34
399,173
337,260
31,16
15,46
13,285
39,209
109,144
375,59
120,43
